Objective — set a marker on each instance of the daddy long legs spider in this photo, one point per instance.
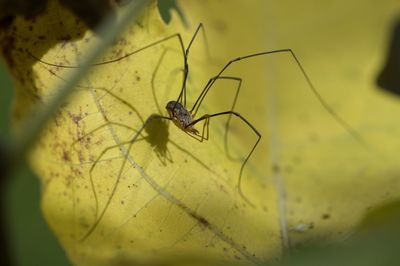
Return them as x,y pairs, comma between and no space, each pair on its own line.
186,117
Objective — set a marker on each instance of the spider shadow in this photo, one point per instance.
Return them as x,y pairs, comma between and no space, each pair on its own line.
158,138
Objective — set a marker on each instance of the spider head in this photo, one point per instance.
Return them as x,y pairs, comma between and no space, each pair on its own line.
179,114
173,107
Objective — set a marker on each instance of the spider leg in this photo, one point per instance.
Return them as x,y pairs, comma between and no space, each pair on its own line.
208,116
98,128
182,94
204,93
92,181
176,35
205,133
321,100
130,106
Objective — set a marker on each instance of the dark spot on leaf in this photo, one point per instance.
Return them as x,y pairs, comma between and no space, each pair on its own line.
200,219
75,118
65,38
220,26
326,216
66,156
275,168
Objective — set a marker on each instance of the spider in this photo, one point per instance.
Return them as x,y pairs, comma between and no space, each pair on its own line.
186,118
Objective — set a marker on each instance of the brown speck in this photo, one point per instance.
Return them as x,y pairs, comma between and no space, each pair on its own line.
200,219
220,26
275,168
80,157
66,156
75,118
326,216
65,38
203,221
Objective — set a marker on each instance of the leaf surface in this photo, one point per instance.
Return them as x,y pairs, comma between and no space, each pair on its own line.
168,195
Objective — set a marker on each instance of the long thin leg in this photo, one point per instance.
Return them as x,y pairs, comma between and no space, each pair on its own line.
205,132
107,91
176,35
130,106
203,94
185,53
126,152
186,66
207,116
326,106
98,128
91,174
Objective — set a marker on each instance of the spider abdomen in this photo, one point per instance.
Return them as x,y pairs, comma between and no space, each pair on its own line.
181,116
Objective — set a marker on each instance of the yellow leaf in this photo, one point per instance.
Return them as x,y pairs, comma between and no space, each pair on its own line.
308,178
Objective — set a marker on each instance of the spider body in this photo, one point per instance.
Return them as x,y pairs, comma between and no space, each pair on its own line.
181,117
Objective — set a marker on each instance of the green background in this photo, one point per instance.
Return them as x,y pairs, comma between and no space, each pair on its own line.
31,241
